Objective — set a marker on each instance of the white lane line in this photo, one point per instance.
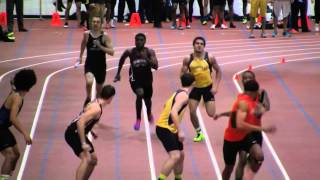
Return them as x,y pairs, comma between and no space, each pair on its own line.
174,45
31,65
37,56
213,158
247,49
212,155
35,122
66,59
176,57
149,144
265,137
36,118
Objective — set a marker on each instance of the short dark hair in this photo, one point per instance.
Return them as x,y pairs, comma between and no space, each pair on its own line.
251,85
197,38
107,92
24,80
250,72
141,35
187,79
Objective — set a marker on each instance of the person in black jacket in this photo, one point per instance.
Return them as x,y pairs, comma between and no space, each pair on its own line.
19,11
296,7
158,11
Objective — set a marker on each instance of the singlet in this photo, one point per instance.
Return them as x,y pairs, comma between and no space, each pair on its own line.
231,132
95,55
88,126
201,69
165,120
140,69
5,114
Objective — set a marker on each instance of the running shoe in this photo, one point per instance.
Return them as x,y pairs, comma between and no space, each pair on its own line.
199,137
137,125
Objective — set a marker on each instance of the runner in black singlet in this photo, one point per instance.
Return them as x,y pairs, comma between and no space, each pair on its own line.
142,61
76,133
21,84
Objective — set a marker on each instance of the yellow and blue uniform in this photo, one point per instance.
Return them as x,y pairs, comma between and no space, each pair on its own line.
201,69
165,128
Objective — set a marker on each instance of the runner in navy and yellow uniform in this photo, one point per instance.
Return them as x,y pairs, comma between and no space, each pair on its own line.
98,44
23,81
243,132
142,61
168,129
77,131
201,65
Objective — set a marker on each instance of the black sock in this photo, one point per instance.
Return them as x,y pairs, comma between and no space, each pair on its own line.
138,107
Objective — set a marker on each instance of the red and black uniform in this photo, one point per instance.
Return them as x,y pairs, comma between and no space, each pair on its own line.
236,139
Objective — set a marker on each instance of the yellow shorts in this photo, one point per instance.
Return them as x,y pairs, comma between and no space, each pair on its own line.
256,5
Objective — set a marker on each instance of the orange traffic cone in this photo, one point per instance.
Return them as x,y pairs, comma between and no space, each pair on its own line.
3,18
237,77
135,20
56,21
282,60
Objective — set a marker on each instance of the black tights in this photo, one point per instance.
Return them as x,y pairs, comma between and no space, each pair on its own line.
139,106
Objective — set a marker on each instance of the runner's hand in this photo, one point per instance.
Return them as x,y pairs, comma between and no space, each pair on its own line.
181,136
216,116
86,147
77,64
214,91
28,139
270,129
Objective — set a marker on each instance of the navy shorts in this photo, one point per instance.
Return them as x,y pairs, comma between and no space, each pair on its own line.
6,139
169,140
73,140
197,93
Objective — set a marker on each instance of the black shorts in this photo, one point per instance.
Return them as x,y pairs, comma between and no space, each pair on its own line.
6,139
169,140
99,71
146,86
197,93
251,139
181,2
72,138
230,151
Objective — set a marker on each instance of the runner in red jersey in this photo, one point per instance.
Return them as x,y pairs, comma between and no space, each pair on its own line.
243,132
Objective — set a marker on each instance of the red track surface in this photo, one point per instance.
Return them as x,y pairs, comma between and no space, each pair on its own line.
122,153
